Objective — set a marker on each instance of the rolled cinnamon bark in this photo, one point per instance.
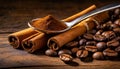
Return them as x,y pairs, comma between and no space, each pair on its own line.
59,40
16,38
80,13
35,42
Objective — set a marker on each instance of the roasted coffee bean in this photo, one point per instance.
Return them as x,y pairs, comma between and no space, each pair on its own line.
91,48
110,53
82,53
66,57
82,42
64,51
117,22
72,44
109,34
88,36
91,43
98,56
99,32
114,17
101,46
113,26
112,43
74,50
50,52
99,27
92,31
117,49
117,31
117,38
82,47
117,11
105,26
99,37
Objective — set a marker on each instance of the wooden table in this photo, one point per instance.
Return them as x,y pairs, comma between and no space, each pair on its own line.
19,59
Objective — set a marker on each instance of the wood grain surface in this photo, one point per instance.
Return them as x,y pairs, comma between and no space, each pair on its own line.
14,15
19,59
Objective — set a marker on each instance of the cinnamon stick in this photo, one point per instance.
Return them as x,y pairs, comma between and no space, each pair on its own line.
35,42
29,36
56,42
31,44
16,38
80,13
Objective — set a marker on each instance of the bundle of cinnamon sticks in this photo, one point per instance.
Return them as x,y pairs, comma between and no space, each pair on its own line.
32,40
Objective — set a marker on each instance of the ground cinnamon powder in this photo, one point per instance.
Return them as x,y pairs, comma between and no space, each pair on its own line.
49,23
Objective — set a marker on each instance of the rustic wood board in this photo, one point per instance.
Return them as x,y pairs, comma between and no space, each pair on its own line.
19,59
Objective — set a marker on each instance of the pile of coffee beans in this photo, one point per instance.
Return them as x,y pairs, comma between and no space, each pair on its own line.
101,43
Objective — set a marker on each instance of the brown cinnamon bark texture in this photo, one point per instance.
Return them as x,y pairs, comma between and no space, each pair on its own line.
35,42
58,41
80,13
16,38
38,40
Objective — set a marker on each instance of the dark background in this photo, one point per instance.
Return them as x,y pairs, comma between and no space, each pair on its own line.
14,14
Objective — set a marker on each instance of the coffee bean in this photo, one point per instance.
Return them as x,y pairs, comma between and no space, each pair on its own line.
110,53
82,42
64,51
91,43
74,50
82,47
92,31
114,17
117,31
99,37
82,53
101,46
109,34
112,43
117,38
88,36
113,26
117,22
66,57
99,32
117,11
72,44
50,52
117,49
98,56
91,48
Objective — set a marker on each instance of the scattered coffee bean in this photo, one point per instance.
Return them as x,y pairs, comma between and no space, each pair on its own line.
117,49
74,50
82,53
88,36
50,52
82,47
64,51
117,11
110,53
117,22
91,48
82,42
113,43
91,43
99,37
99,32
101,46
72,44
117,31
109,34
66,57
98,56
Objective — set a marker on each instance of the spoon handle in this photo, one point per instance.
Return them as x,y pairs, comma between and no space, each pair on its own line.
94,12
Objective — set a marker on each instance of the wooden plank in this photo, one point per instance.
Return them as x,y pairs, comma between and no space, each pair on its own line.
19,59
